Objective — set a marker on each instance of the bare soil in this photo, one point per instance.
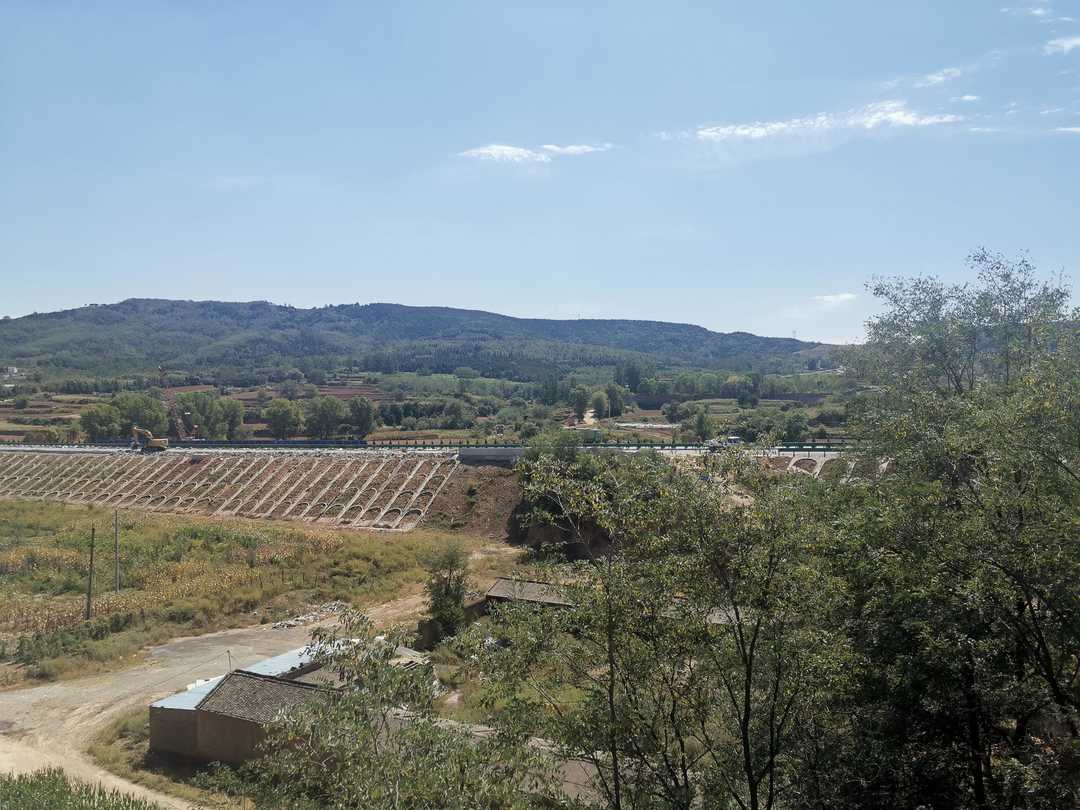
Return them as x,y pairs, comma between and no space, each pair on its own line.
476,501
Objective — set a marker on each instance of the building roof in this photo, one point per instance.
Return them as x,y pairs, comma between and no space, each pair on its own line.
293,662
190,698
260,698
525,590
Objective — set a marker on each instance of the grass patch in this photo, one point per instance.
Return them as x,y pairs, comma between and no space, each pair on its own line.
179,576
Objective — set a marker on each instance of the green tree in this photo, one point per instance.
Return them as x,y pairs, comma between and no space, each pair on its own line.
284,418
100,422
448,581
579,402
362,415
680,690
214,416
616,397
701,425
233,416
599,405
323,416
959,555
142,410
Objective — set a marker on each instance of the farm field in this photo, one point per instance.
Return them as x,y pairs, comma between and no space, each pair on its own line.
181,576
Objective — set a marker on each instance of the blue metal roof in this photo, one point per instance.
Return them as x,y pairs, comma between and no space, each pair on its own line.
189,698
281,664
278,665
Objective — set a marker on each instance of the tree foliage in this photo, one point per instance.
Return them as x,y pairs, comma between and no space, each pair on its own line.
284,418
448,572
380,744
323,417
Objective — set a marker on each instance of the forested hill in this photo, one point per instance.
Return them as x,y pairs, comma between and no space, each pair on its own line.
138,335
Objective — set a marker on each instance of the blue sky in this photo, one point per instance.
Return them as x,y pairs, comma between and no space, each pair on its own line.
737,165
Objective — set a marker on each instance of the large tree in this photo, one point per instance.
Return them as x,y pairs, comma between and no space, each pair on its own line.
362,415
284,418
101,421
141,410
962,557
696,642
324,416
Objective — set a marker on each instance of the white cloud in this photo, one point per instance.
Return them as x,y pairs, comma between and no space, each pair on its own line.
501,153
942,76
576,148
1061,45
882,114
818,307
833,301
967,98
1073,130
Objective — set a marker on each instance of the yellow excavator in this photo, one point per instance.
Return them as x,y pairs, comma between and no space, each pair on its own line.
143,440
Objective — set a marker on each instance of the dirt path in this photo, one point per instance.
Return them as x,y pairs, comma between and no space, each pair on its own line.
52,725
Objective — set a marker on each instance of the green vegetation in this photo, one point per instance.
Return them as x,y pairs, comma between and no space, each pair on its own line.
904,637
52,789
249,343
384,745
177,576
446,586
284,418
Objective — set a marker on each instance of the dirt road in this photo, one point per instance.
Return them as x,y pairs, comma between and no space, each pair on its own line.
54,724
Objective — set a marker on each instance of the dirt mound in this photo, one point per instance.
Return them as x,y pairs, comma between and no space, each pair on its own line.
476,500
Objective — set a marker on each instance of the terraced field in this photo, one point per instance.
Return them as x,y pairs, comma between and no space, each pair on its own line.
389,490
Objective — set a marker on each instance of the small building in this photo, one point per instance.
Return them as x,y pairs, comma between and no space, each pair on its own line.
230,721
544,594
526,590
224,719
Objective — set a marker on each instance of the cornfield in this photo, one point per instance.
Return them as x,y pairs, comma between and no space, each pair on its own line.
51,788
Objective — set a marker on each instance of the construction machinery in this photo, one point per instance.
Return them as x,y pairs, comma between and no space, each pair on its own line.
143,441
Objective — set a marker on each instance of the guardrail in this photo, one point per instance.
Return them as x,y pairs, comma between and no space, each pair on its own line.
407,444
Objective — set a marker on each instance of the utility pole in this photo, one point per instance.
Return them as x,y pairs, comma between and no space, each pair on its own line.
90,577
116,545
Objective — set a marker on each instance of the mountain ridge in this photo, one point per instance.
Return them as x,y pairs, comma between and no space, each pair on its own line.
139,334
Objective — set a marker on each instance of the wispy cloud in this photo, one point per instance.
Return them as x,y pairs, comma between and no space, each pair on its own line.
1072,130
576,148
882,114
1061,45
832,301
940,77
817,307
501,153
1043,12
967,98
